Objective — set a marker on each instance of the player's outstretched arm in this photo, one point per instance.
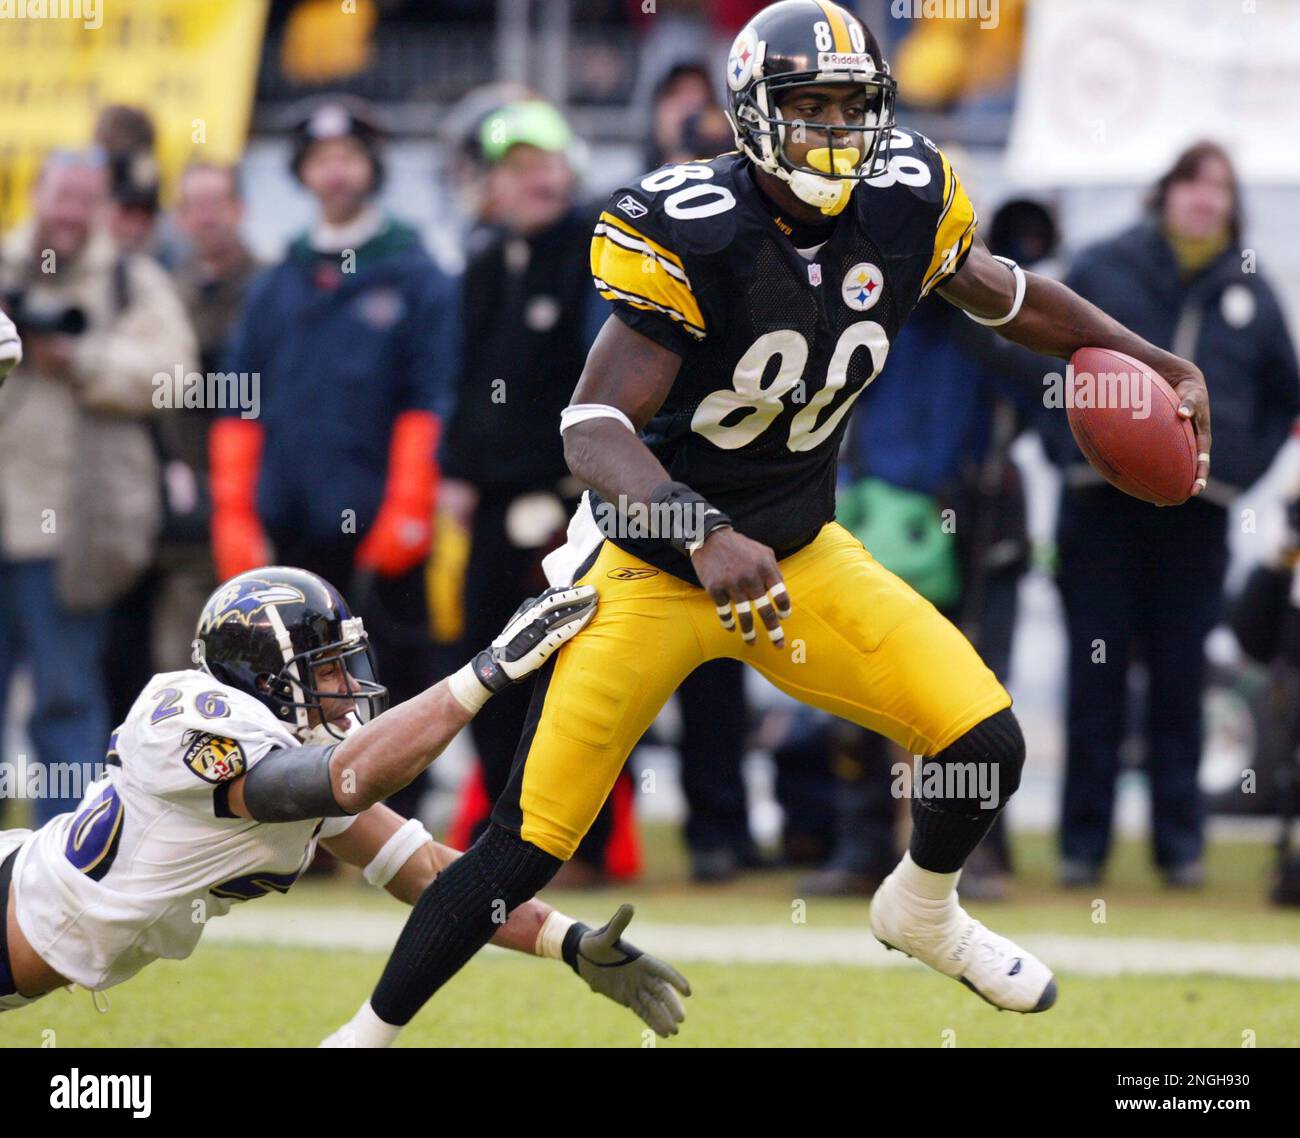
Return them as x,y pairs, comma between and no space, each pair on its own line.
1045,316
626,379
383,756
400,856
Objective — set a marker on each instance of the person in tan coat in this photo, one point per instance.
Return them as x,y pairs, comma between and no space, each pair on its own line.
79,483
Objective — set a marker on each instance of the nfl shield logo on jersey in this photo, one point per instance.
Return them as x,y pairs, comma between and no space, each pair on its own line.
814,275
862,286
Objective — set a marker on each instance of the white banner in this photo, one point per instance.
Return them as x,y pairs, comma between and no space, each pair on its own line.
1111,90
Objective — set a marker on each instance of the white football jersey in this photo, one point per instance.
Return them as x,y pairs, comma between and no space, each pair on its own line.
147,859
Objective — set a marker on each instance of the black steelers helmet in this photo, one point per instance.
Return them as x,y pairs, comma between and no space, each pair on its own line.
799,43
266,631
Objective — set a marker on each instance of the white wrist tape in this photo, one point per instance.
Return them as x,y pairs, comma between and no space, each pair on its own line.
396,852
550,937
582,412
1015,305
467,690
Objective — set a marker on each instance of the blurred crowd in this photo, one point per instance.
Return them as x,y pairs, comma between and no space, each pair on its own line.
355,410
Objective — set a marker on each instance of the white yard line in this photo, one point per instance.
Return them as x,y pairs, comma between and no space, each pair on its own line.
1099,955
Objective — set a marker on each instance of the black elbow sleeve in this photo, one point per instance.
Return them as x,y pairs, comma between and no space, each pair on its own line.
291,785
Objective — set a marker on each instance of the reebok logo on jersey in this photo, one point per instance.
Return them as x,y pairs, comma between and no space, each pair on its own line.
630,206
628,573
215,758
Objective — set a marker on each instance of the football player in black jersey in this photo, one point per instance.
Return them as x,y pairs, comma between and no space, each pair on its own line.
756,296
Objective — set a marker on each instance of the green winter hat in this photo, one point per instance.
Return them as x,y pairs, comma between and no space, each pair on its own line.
532,122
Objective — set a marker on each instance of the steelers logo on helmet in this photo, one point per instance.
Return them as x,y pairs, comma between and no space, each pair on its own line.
743,59
863,286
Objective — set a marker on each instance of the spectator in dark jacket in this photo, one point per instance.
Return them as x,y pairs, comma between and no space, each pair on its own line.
353,337
1182,280
528,315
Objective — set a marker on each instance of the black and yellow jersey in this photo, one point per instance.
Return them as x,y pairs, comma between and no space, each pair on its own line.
775,346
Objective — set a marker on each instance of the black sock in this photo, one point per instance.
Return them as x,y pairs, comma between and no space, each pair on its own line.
456,916
945,831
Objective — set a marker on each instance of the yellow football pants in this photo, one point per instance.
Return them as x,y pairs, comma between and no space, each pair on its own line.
860,644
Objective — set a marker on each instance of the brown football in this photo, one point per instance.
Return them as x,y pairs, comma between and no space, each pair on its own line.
1125,419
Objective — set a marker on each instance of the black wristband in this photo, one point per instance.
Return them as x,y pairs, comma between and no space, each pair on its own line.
684,518
569,946
487,669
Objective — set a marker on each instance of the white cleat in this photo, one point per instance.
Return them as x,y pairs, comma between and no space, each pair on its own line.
365,1029
344,1037
947,938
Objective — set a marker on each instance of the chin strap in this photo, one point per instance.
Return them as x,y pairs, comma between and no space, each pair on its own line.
321,735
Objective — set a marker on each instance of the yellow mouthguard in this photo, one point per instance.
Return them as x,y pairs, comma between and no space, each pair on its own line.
845,160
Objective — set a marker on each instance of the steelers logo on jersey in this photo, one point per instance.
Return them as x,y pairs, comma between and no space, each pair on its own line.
215,758
862,287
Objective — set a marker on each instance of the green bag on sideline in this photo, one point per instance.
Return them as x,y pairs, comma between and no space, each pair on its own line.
903,530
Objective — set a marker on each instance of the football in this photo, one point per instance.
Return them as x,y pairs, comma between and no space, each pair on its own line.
1125,419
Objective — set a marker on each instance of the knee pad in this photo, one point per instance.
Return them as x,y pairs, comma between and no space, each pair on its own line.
981,770
504,870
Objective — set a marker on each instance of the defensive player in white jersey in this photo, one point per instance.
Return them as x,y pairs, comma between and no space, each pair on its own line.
223,778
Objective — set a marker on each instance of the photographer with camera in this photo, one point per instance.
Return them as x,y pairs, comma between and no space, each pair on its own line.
79,499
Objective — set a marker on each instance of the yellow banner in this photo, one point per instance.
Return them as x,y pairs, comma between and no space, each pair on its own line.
192,64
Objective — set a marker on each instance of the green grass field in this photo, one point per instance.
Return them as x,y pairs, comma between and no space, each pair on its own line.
251,995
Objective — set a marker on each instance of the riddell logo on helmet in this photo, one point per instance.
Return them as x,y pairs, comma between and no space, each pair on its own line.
844,60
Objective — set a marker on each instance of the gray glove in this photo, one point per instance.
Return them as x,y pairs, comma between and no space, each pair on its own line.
627,975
